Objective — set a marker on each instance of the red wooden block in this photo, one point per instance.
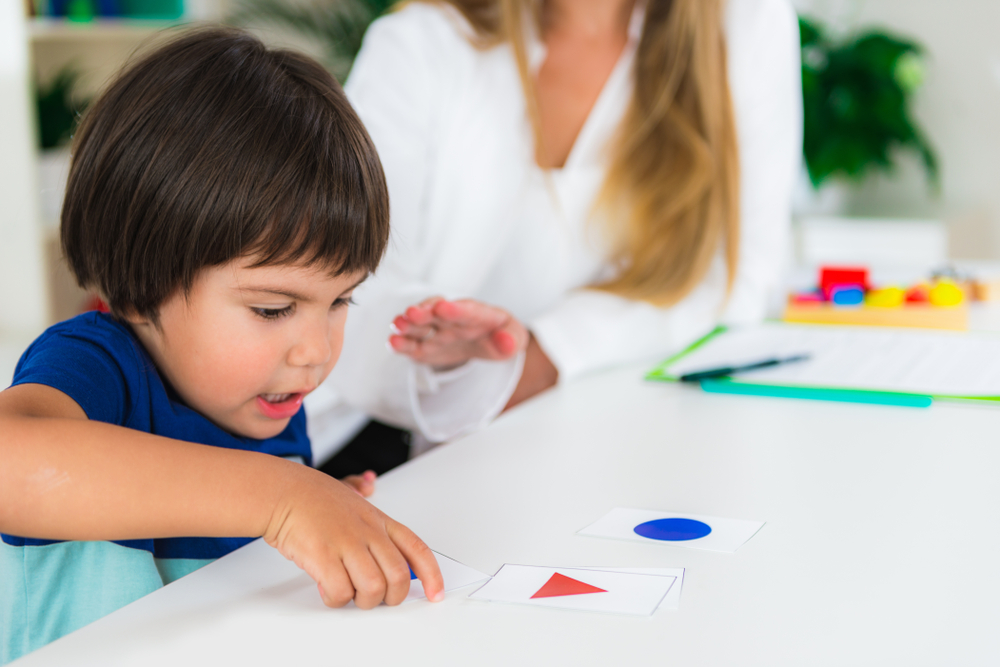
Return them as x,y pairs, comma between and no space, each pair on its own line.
842,276
917,294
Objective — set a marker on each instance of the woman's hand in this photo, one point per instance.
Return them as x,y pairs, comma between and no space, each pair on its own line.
445,334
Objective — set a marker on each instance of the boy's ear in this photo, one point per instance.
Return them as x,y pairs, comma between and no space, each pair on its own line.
137,320
134,318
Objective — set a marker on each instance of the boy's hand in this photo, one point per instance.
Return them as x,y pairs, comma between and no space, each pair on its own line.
363,484
351,549
445,334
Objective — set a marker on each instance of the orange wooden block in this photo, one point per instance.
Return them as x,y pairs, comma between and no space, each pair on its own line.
909,315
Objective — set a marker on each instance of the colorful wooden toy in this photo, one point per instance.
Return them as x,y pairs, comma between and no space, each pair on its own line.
844,296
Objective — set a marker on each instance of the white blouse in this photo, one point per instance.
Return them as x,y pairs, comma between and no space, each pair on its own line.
474,217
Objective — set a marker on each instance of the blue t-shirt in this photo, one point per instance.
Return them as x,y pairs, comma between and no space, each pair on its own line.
49,588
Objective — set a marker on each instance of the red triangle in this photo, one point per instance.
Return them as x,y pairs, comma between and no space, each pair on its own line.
559,585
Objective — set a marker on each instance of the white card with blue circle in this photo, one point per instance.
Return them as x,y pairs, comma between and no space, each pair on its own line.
694,531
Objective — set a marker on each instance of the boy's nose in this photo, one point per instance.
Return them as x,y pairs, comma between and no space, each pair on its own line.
313,347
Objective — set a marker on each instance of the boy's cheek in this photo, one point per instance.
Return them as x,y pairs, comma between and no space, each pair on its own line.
337,347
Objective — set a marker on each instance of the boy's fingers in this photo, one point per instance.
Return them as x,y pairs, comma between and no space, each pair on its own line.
366,575
395,570
367,483
336,589
354,482
363,484
420,557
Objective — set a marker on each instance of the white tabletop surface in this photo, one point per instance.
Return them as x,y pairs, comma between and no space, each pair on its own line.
880,547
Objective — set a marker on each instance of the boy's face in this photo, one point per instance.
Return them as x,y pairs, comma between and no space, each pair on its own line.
247,344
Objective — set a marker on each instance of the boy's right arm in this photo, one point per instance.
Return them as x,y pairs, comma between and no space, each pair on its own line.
65,477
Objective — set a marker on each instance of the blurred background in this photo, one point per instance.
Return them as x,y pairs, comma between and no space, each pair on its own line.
902,101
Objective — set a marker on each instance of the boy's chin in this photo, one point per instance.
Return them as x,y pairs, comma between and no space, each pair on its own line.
263,430
257,429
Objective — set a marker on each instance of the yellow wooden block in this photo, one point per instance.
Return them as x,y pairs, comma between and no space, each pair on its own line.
887,297
946,293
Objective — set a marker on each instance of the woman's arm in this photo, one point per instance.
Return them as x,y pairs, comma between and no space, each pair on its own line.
68,478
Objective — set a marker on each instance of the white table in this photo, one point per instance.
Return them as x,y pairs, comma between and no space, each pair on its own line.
881,543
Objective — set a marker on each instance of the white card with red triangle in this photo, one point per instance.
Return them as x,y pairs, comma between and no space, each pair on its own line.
576,588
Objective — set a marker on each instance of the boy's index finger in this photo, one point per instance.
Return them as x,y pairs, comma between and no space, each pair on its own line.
423,564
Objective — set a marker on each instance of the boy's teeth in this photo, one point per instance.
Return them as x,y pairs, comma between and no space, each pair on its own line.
276,398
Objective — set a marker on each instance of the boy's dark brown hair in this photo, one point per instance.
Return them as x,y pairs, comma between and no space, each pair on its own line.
211,148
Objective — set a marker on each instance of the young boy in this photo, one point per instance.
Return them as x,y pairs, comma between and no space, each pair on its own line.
225,200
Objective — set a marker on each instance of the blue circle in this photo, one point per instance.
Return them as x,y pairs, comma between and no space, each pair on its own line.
673,530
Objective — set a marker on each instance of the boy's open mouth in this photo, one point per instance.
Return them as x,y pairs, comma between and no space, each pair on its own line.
276,398
279,406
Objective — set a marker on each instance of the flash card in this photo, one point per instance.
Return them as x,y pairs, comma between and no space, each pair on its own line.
673,600
578,589
454,573
695,531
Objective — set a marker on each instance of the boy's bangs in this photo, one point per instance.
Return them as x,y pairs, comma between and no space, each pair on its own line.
311,225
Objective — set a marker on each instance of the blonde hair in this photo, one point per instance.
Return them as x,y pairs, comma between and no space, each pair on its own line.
671,195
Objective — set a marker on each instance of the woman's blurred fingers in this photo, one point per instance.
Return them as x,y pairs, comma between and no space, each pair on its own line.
423,312
471,314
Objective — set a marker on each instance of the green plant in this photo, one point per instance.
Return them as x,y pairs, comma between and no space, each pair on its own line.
337,26
857,97
57,112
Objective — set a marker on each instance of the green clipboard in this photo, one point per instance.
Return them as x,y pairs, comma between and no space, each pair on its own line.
662,373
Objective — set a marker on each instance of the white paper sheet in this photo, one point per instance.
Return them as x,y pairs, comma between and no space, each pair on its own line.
455,576
622,592
936,363
726,535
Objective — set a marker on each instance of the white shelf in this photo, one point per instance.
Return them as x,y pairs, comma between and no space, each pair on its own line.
101,29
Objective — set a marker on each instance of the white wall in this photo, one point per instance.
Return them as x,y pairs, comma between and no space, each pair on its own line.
23,302
958,107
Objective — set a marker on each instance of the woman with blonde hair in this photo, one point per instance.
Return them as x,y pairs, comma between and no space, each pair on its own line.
596,181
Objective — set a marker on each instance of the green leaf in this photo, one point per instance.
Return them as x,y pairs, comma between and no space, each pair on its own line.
857,96
57,113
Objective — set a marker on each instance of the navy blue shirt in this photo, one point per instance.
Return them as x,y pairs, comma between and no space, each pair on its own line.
99,363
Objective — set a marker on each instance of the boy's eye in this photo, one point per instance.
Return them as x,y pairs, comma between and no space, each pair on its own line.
272,313
343,301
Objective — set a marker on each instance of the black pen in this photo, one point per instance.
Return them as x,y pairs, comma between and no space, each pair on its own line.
729,370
